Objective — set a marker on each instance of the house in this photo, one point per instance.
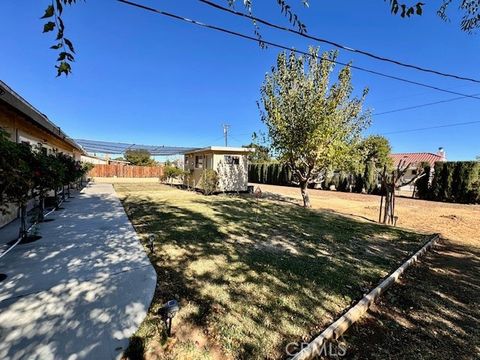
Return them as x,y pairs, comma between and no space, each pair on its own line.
230,163
415,162
25,124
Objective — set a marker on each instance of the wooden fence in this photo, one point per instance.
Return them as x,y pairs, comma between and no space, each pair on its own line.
126,171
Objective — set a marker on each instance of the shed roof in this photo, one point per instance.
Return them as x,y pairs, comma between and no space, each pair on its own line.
225,149
9,96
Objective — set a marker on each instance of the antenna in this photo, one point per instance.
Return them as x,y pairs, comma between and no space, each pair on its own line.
225,133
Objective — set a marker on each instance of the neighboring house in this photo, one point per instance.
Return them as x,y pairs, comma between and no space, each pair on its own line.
26,124
415,161
230,163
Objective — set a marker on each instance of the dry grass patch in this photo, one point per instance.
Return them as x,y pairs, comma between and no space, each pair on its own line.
252,277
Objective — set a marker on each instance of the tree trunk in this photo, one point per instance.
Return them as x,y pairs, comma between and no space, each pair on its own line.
41,206
306,198
23,221
56,199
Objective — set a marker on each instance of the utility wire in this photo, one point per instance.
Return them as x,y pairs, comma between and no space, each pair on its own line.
335,44
432,127
420,105
261,41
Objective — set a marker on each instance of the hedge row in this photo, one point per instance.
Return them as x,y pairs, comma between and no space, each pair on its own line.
268,173
453,181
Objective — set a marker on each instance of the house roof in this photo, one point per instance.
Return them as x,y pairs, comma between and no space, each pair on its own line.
9,96
416,158
223,149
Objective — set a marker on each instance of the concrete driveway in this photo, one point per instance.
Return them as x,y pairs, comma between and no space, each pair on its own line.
82,290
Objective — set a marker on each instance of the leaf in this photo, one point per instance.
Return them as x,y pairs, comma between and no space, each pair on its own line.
56,47
49,26
59,7
50,10
65,56
69,44
59,34
63,68
419,7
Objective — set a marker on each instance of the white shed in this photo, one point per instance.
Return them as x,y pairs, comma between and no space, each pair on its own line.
230,163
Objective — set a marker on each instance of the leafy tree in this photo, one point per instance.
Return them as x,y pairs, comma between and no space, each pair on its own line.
376,148
17,165
312,125
261,154
48,171
374,154
140,157
10,176
470,10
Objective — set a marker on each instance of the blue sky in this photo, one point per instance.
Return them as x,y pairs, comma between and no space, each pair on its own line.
143,78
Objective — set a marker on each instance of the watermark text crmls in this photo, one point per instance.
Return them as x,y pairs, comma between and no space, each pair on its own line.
326,349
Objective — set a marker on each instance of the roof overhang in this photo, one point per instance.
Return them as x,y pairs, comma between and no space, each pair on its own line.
9,96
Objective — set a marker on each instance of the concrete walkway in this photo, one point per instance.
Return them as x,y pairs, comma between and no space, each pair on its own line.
82,290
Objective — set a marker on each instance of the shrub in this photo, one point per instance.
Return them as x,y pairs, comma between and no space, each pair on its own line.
171,172
423,184
455,182
209,181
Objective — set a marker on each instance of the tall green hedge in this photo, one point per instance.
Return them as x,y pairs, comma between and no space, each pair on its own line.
270,173
453,181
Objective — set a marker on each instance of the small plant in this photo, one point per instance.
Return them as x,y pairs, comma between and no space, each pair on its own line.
209,181
171,173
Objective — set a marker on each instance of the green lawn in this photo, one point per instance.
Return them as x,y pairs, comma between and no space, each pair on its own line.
252,276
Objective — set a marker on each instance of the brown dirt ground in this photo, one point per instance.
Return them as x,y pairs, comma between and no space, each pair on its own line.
434,310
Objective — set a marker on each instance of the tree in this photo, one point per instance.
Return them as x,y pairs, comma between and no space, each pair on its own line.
48,174
18,163
140,157
469,9
261,154
375,154
312,125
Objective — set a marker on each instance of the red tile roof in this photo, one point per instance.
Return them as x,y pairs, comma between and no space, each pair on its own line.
416,158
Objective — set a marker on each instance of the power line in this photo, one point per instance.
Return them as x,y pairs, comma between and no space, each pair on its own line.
432,127
335,44
230,32
421,105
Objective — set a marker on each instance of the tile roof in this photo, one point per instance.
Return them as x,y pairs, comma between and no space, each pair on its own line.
416,158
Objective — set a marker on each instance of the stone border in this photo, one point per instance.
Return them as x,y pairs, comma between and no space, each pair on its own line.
335,330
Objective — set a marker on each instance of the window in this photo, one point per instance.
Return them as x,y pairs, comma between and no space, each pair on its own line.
232,160
199,162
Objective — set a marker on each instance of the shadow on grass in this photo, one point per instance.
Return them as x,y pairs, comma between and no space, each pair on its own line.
433,314
257,276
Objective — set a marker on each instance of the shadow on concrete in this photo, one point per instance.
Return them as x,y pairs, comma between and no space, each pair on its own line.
81,290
